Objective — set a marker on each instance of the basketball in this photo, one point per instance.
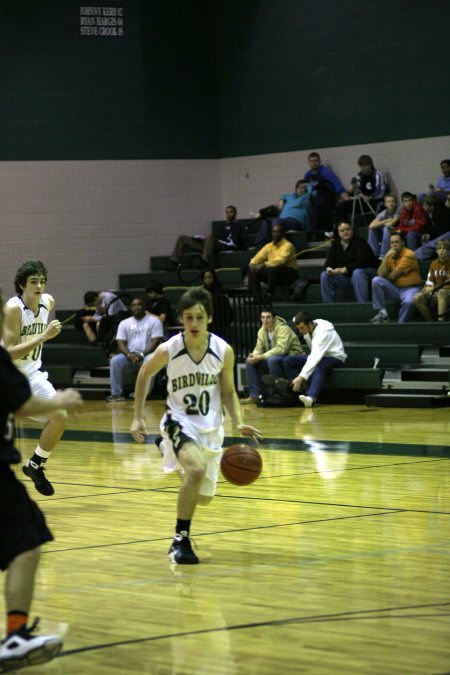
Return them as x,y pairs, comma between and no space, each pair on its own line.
241,464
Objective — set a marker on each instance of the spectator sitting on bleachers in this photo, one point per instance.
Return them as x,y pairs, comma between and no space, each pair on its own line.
137,337
441,189
350,262
275,341
370,184
439,213
85,318
275,263
436,292
294,212
398,278
323,181
111,310
100,316
231,238
382,225
326,353
157,304
413,221
222,312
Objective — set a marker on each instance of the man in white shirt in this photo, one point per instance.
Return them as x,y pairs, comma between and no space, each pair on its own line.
137,337
327,352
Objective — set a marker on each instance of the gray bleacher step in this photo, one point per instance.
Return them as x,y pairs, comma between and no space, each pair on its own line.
228,274
77,356
368,379
92,377
70,335
93,393
381,354
426,374
425,388
160,263
408,400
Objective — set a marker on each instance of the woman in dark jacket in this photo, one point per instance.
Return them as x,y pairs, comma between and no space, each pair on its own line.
222,313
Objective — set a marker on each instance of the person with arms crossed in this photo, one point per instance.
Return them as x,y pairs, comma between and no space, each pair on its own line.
24,528
200,382
26,329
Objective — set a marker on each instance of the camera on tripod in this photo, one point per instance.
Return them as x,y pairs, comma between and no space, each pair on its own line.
356,189
358,201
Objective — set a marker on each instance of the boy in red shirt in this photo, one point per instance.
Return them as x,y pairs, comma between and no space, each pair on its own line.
413,220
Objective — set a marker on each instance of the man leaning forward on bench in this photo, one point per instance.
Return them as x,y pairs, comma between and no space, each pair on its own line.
326,352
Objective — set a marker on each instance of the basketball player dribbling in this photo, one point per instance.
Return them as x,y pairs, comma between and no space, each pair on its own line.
26,328
200,373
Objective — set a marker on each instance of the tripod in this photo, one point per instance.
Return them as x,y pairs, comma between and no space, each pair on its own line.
358,200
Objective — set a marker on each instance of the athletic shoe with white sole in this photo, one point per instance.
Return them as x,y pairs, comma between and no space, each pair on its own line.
21,649
381,317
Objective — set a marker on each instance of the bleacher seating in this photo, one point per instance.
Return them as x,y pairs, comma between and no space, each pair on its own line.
371,349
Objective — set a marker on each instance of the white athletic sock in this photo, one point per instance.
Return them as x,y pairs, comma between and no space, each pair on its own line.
41,453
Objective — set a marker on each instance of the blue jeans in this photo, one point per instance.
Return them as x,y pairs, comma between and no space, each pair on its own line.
293,365
117,367
274,365
360,280
378,240
427,250
383,289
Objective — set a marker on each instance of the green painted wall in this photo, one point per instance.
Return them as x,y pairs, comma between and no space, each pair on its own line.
298,74
205,78
67,96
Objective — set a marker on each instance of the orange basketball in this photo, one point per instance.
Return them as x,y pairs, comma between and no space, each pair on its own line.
241,464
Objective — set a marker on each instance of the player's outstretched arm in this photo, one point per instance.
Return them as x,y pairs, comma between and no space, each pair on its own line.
158,360
231,401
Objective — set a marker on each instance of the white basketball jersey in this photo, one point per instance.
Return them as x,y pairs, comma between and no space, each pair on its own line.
194,389
30,326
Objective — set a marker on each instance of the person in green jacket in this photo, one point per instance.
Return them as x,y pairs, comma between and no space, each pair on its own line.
276,339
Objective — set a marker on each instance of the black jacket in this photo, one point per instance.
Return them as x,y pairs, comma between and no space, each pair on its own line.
357,254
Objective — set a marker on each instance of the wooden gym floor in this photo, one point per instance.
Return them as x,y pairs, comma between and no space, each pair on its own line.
335,561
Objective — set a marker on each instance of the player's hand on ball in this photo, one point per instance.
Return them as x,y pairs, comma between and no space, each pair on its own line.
250,432
138,430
